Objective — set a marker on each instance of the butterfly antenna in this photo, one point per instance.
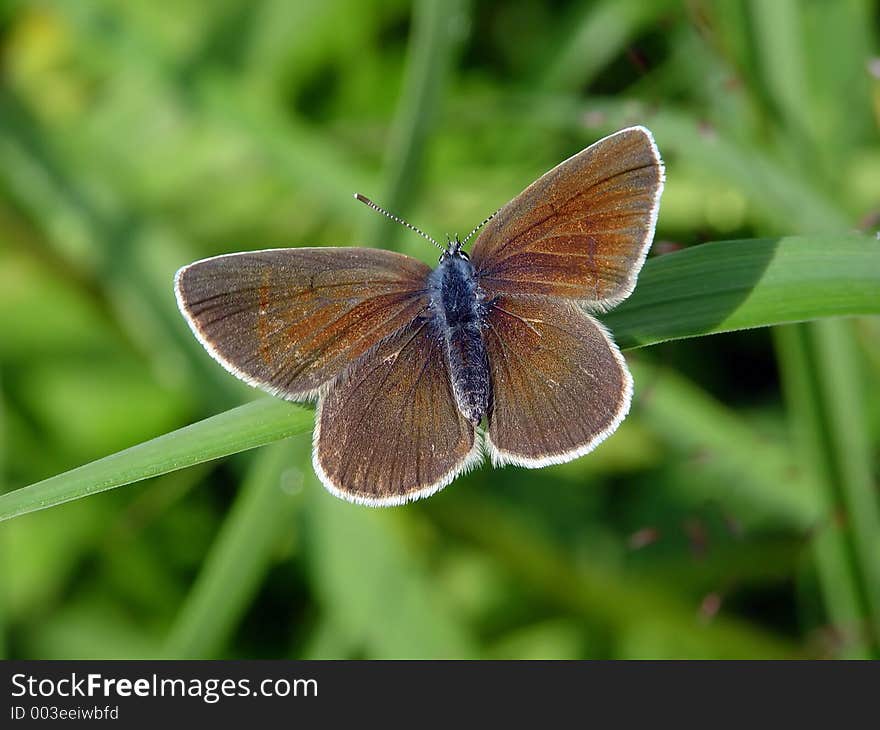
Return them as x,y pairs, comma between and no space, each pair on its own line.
379,209
477,228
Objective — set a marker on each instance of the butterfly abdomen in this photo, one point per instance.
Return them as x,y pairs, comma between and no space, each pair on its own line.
458,308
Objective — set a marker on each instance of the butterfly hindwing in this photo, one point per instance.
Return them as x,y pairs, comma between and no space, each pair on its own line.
582,230
560,385
577,236
290,320
388,429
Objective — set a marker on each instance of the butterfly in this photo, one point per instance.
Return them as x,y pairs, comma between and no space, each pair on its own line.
417,371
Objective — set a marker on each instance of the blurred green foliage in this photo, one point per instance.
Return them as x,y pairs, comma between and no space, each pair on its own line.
734,514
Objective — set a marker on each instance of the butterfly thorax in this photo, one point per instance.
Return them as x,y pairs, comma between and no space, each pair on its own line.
458,308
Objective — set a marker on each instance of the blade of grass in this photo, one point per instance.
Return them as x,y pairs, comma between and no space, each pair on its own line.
279,32
840,88
707,289
598,37
824,396
720,287
436,26
239,558
777,34
804,399
841,387
239,429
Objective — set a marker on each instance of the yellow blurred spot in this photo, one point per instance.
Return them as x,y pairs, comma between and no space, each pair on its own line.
38,58
37,43
725,209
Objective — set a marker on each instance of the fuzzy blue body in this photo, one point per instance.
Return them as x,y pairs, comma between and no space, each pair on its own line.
458,309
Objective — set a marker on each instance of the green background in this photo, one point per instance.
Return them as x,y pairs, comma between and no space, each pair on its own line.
735,512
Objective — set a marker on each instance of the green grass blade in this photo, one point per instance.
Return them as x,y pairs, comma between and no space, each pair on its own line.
239,429
846,423
430,53
803,392
778,39
720,287
707,289
597,37
263,513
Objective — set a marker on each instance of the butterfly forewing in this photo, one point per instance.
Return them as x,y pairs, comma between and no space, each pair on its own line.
389,430
560,386
290,320
582,230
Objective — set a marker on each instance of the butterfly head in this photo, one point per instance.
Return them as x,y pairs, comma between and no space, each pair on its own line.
454,249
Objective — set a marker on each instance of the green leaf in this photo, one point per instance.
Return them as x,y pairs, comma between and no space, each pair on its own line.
707,289
238,429
734,285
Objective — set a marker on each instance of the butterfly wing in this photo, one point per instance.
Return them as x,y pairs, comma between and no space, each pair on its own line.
578,235
582,230
388,430
289,320
560,385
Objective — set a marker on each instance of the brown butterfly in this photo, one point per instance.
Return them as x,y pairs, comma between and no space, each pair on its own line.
406,362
